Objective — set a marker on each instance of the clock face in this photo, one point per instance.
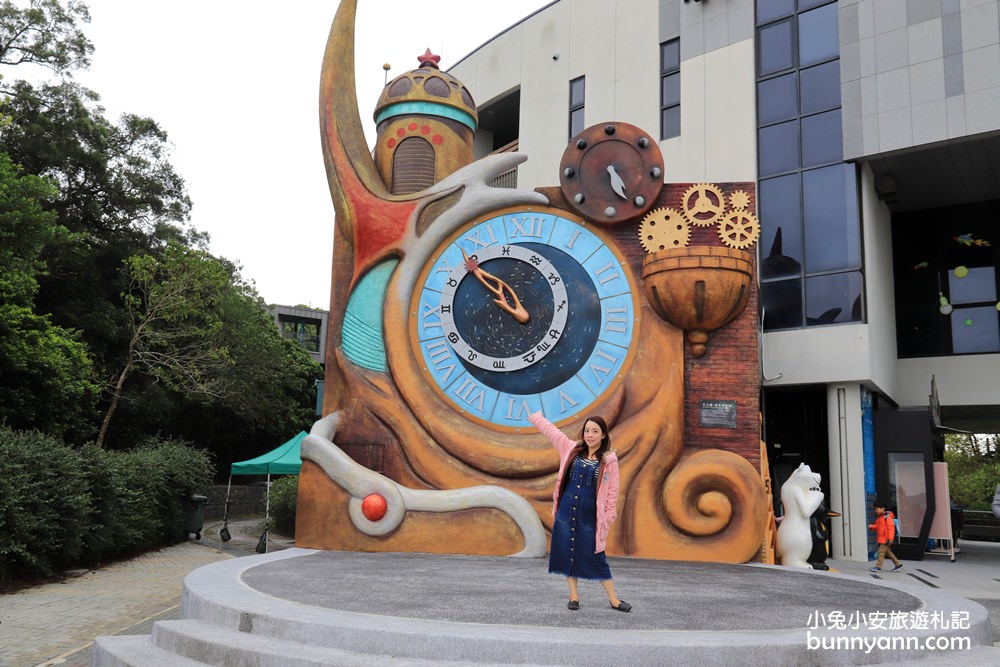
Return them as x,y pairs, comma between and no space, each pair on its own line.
522,310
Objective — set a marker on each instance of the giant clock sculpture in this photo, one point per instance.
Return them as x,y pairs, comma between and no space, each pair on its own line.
459,307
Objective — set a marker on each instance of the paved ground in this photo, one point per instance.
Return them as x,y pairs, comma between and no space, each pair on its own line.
54,624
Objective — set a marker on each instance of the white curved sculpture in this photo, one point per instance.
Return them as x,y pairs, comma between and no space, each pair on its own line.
359,482
800,496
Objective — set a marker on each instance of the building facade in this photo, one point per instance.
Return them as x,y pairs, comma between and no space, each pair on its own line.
872,130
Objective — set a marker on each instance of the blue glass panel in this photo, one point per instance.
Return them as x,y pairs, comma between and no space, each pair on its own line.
670,92
670,56
576,122
830,213
819,35
782,303
776,99
768,10
822,139
670,122
780,204
576,92
834,298
975,330
820,87
774,45
778,148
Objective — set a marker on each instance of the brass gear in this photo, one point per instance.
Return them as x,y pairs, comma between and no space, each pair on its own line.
739,229
662,229
739,201
703,204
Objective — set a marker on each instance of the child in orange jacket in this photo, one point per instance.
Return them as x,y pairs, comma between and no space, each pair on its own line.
885,533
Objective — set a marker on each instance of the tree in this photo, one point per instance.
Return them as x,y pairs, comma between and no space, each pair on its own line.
46,33
45,371
973,468
172,306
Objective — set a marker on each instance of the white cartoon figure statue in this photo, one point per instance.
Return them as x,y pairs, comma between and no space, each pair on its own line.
800,495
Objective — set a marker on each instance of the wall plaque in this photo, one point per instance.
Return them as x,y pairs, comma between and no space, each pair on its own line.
718,414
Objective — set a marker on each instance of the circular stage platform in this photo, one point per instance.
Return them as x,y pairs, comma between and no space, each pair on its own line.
303,607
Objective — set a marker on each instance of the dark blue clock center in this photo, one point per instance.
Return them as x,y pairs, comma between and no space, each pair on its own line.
494,332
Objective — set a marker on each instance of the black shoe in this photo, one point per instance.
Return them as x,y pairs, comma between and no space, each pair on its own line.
622,606
573,605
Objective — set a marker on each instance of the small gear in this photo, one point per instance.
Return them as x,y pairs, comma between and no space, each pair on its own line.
703,204
662,229
739,229
739,201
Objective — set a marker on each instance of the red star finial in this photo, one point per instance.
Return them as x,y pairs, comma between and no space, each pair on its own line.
429,59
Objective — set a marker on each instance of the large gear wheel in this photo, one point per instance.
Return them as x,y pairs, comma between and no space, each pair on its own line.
739,229
739,200
662,229
703,204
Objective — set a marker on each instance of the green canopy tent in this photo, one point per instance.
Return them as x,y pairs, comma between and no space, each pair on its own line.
282,460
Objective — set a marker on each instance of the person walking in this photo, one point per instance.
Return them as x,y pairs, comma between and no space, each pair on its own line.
885,533
996,502
584,505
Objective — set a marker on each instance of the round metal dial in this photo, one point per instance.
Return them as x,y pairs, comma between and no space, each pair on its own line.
611,172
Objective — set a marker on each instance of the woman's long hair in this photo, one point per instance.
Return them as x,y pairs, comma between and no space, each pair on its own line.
605,441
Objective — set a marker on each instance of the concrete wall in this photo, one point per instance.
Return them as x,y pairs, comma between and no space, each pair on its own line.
916,73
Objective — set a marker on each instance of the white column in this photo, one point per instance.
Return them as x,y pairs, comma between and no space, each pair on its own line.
847,473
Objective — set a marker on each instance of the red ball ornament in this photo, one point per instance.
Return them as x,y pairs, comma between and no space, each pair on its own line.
374,507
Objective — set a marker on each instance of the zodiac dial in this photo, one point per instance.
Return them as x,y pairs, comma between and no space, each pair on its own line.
521,310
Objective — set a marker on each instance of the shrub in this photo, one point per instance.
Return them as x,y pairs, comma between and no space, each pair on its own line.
61,507
44,504
284,494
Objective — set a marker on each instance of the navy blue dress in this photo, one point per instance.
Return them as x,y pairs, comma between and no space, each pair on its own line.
574,533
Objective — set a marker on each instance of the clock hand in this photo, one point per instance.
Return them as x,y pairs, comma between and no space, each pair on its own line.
500,289
617,184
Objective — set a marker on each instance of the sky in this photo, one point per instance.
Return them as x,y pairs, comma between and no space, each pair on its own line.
235,84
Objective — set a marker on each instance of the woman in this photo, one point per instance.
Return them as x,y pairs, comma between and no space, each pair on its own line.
584,506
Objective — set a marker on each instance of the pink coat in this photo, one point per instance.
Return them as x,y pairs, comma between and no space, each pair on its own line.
607,485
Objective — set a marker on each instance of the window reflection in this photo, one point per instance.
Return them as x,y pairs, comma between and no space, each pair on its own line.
776,99
822,139
782,303
774,45
768,10
830,198
820,87
833,299
819,36
967,285
778,148
781,227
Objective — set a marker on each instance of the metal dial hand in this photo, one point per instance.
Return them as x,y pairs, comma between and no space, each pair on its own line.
617,184
498,288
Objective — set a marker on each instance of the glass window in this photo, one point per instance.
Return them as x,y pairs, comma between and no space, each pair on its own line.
820,87
976,285
778,148
819,35
774,45
809,4
776,99
782,303
671,123
671,90
670,56
830,217
576,102
781,227
833,298
975,330
768,10
822,139
576,125
576,90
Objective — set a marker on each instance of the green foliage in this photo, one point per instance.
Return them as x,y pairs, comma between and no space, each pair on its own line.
46,369
61,507
46,33
973,469
284,494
